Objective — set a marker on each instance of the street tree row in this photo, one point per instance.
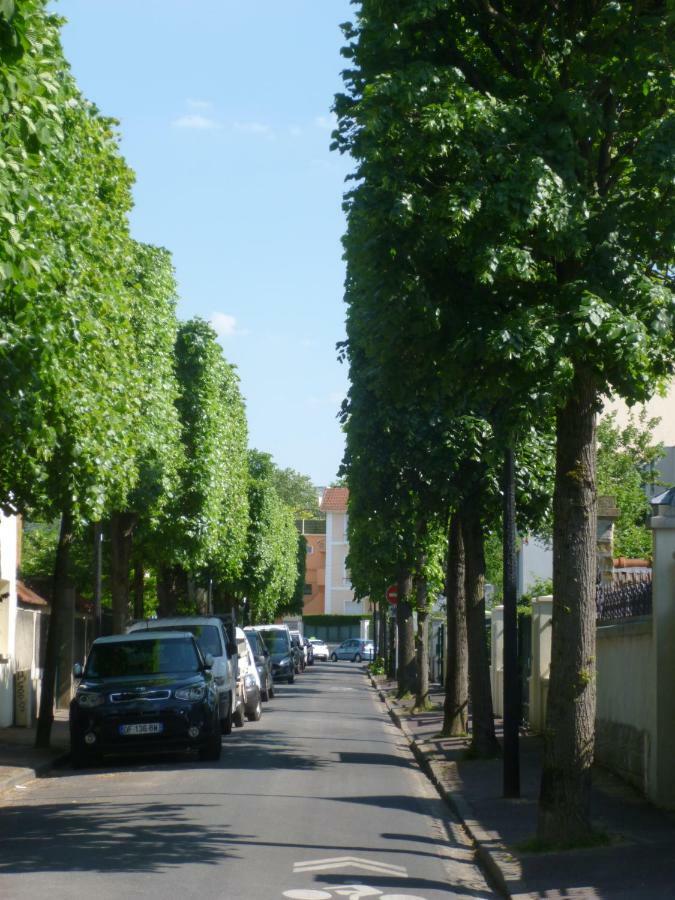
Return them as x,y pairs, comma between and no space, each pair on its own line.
509,263
112,411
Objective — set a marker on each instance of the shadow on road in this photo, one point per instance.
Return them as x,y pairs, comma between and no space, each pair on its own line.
107,837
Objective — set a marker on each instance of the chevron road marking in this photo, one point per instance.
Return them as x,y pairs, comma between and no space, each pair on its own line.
343,862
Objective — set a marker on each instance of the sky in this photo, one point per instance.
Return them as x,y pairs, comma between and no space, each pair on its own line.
224,111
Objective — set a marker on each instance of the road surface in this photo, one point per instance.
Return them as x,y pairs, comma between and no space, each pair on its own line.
320,799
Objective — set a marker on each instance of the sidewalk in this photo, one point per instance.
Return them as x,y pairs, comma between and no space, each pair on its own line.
639,861
20,761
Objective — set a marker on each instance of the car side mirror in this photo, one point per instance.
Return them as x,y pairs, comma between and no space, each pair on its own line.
266,653
77,670
208,661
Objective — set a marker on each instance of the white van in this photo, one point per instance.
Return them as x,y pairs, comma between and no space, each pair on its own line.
227,675
248,672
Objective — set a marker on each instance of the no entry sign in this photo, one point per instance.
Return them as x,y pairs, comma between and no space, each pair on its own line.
392,594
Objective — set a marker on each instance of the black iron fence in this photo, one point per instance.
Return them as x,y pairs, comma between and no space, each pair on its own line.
624,601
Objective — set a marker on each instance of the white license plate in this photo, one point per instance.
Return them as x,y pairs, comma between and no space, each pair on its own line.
144,728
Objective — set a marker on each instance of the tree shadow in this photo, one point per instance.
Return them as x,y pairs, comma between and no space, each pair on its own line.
107,837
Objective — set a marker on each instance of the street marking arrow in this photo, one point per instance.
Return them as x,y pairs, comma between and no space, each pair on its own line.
343,862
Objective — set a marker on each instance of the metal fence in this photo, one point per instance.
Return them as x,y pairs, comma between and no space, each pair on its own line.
624,601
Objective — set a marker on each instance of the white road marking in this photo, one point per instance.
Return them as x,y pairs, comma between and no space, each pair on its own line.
342,862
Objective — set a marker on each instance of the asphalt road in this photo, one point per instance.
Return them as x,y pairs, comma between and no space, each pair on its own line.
320,799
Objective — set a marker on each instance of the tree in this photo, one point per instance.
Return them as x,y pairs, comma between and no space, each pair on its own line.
204,525
627,459
531,149
69,395
159,453
272,570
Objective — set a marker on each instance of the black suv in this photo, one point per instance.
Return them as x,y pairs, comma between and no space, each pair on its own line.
150,690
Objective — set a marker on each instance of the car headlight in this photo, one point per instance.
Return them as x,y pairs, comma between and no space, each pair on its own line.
88,700
286,661
249,680
193,693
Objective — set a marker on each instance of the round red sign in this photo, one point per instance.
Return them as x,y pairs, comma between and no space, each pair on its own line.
392,594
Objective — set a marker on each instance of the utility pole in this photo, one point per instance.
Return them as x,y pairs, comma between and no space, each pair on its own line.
512,697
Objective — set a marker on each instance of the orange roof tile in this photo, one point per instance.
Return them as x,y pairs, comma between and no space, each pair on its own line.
335,500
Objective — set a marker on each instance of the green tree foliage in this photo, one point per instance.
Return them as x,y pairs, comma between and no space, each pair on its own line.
205,521
271,576
509,212
297,492
627,459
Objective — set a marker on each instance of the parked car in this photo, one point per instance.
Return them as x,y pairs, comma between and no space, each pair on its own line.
212,638
263,663
145,691
320,649
248,673
309,651
278,641
298,651
355,649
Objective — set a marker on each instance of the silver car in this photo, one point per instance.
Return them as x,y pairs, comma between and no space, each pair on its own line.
355,649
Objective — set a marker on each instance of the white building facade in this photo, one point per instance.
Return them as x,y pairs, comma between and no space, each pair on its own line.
8,604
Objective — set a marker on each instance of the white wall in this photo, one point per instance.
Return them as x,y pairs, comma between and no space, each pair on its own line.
658,407
8,560
626,699
535,562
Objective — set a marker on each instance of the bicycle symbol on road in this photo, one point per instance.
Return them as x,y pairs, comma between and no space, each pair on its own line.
350,891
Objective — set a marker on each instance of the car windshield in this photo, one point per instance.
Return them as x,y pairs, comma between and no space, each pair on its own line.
147,657
207,636
276,641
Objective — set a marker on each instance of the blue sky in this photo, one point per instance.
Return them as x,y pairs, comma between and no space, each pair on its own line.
224,110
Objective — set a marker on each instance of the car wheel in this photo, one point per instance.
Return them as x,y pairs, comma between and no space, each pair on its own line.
357,658
271,689
291,679
211,751
333,656
253,715
226,723
239,717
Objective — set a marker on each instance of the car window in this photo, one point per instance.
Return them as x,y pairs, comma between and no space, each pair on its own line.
208,636
147,657
275,639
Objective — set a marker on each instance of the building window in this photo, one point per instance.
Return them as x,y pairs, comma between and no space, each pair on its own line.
310,549
307,589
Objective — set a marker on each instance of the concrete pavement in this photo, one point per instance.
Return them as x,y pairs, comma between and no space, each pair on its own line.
320,799
20,762
638,861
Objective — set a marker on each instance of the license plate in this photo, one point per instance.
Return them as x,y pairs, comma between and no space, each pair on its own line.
142,728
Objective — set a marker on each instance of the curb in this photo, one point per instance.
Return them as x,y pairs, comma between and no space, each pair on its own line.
493,857
30,774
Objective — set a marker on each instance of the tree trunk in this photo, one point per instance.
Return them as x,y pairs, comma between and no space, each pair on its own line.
564,801
384,610
483,739
60,586
139,590
455,714
98,579
121,537
422,643
406,670
512,689
391,647
171,586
